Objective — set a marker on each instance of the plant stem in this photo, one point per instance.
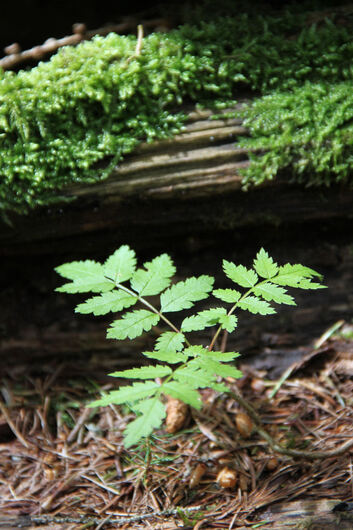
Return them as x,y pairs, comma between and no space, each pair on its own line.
233,308
230,312
151,307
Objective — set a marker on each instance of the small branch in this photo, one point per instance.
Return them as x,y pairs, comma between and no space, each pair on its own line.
139,40
80,422
13,427
14,55
117,518
313,455
150,306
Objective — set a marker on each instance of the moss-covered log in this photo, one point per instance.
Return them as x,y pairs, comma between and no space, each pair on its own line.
186,185
60,121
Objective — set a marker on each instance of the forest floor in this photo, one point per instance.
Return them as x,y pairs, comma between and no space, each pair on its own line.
64,466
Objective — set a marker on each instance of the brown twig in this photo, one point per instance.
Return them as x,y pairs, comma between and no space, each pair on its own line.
14,55
82,419
13,427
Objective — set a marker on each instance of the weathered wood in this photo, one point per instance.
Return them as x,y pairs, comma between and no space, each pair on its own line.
314,514
199,160
183,185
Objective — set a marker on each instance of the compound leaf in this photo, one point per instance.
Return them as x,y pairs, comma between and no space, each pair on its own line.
203,319
153,414
270,291
240,274
194,377
195,350
264,265
228,322
224,357
155,277
183,392
201,351
166,356
127,394
293,275
230,296
170,341
308,284
215,367
132,324
182,295
256,306
106,302
144,372
86,275
121,265
77,269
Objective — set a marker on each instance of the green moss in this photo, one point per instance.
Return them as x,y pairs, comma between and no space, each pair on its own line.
64,120
309,130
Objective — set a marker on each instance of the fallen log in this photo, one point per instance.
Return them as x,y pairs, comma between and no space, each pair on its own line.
185,185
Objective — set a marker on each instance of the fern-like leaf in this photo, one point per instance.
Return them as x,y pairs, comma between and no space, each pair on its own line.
182,295
153,414
155,277
86,275
106,302
203,319
127,394
240,274
144,372
224,357
214,367
308,284
230,296
256,306
170,341
132,324
228,322
197,350
194,377
121,265
166,356
271,292
183,392
264,265
293,275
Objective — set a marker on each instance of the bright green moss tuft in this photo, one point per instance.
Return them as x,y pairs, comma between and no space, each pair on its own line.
309,130
90,105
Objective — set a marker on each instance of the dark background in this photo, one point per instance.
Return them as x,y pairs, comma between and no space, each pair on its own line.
31,22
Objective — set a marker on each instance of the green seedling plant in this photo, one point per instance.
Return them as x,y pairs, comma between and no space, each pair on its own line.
180,367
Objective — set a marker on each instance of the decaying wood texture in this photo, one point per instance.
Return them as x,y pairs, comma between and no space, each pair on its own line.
179,186
203,159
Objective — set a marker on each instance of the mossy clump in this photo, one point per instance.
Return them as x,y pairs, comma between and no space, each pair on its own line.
70,120
309,130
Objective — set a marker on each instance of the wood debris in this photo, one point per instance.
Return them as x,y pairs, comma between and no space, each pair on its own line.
73,471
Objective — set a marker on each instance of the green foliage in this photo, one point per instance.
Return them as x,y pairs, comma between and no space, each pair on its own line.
132,324
183,368
155,277
307,130
97,101
182,295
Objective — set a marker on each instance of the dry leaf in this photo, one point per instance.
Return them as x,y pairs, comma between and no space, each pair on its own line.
244,424
227,478
177,413
196,475
272,463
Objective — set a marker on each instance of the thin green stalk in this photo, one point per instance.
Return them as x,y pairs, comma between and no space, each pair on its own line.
151,307
231,311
